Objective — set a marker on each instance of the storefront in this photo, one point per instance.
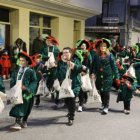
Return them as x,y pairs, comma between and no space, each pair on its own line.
28,19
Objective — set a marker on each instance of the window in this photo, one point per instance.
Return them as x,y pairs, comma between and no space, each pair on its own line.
34,20
39,25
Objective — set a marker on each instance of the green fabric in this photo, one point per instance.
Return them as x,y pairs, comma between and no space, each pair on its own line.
51,73
30,82
45,49
74,75
138,55
125,94
136,47
137,72
104,78
2,87
80,54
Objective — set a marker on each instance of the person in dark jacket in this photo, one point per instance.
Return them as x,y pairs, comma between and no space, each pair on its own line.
49,54
21,112
2,87
125,92
73,62
83,47
105,69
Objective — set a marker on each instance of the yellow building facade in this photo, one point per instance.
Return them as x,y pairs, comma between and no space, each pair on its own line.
63,19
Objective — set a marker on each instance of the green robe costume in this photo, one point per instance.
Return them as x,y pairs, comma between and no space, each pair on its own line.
2,87
125,93
137,73
74,74
105,69
51,73
30,82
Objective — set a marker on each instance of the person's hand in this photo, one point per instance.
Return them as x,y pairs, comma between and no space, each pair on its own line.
53,65
71,65
128,84
118,82
23,87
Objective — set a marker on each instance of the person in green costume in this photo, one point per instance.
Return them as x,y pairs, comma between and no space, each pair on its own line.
83,47
50,49
125,92
73,62
2,87
105,68
21,112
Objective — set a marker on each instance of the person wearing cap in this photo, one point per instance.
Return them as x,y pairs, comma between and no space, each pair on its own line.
21,112
125,92
40,70
50,50
83,46
105,69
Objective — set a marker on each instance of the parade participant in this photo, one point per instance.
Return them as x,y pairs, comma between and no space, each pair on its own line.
105,69
127,56
73,62
6,64
21,112
82,47
19,46
2,87
125,92
40,70
136,66
49,54
136,48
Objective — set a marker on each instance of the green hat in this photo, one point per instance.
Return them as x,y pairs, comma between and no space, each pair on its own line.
82,41
136,47
107,41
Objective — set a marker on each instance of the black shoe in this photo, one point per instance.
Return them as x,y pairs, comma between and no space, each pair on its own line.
70,122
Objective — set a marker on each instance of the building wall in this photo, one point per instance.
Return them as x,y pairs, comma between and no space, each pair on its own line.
62,23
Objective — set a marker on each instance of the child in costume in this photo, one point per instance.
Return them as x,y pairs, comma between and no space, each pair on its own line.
21,112
68,60
49,54
40,69
86,60
105,68
125,92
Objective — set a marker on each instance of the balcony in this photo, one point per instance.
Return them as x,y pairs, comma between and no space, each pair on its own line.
110,19
102,29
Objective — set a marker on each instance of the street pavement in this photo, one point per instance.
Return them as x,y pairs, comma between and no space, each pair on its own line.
47,124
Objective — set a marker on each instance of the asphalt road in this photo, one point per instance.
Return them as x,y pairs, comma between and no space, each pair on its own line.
48,124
